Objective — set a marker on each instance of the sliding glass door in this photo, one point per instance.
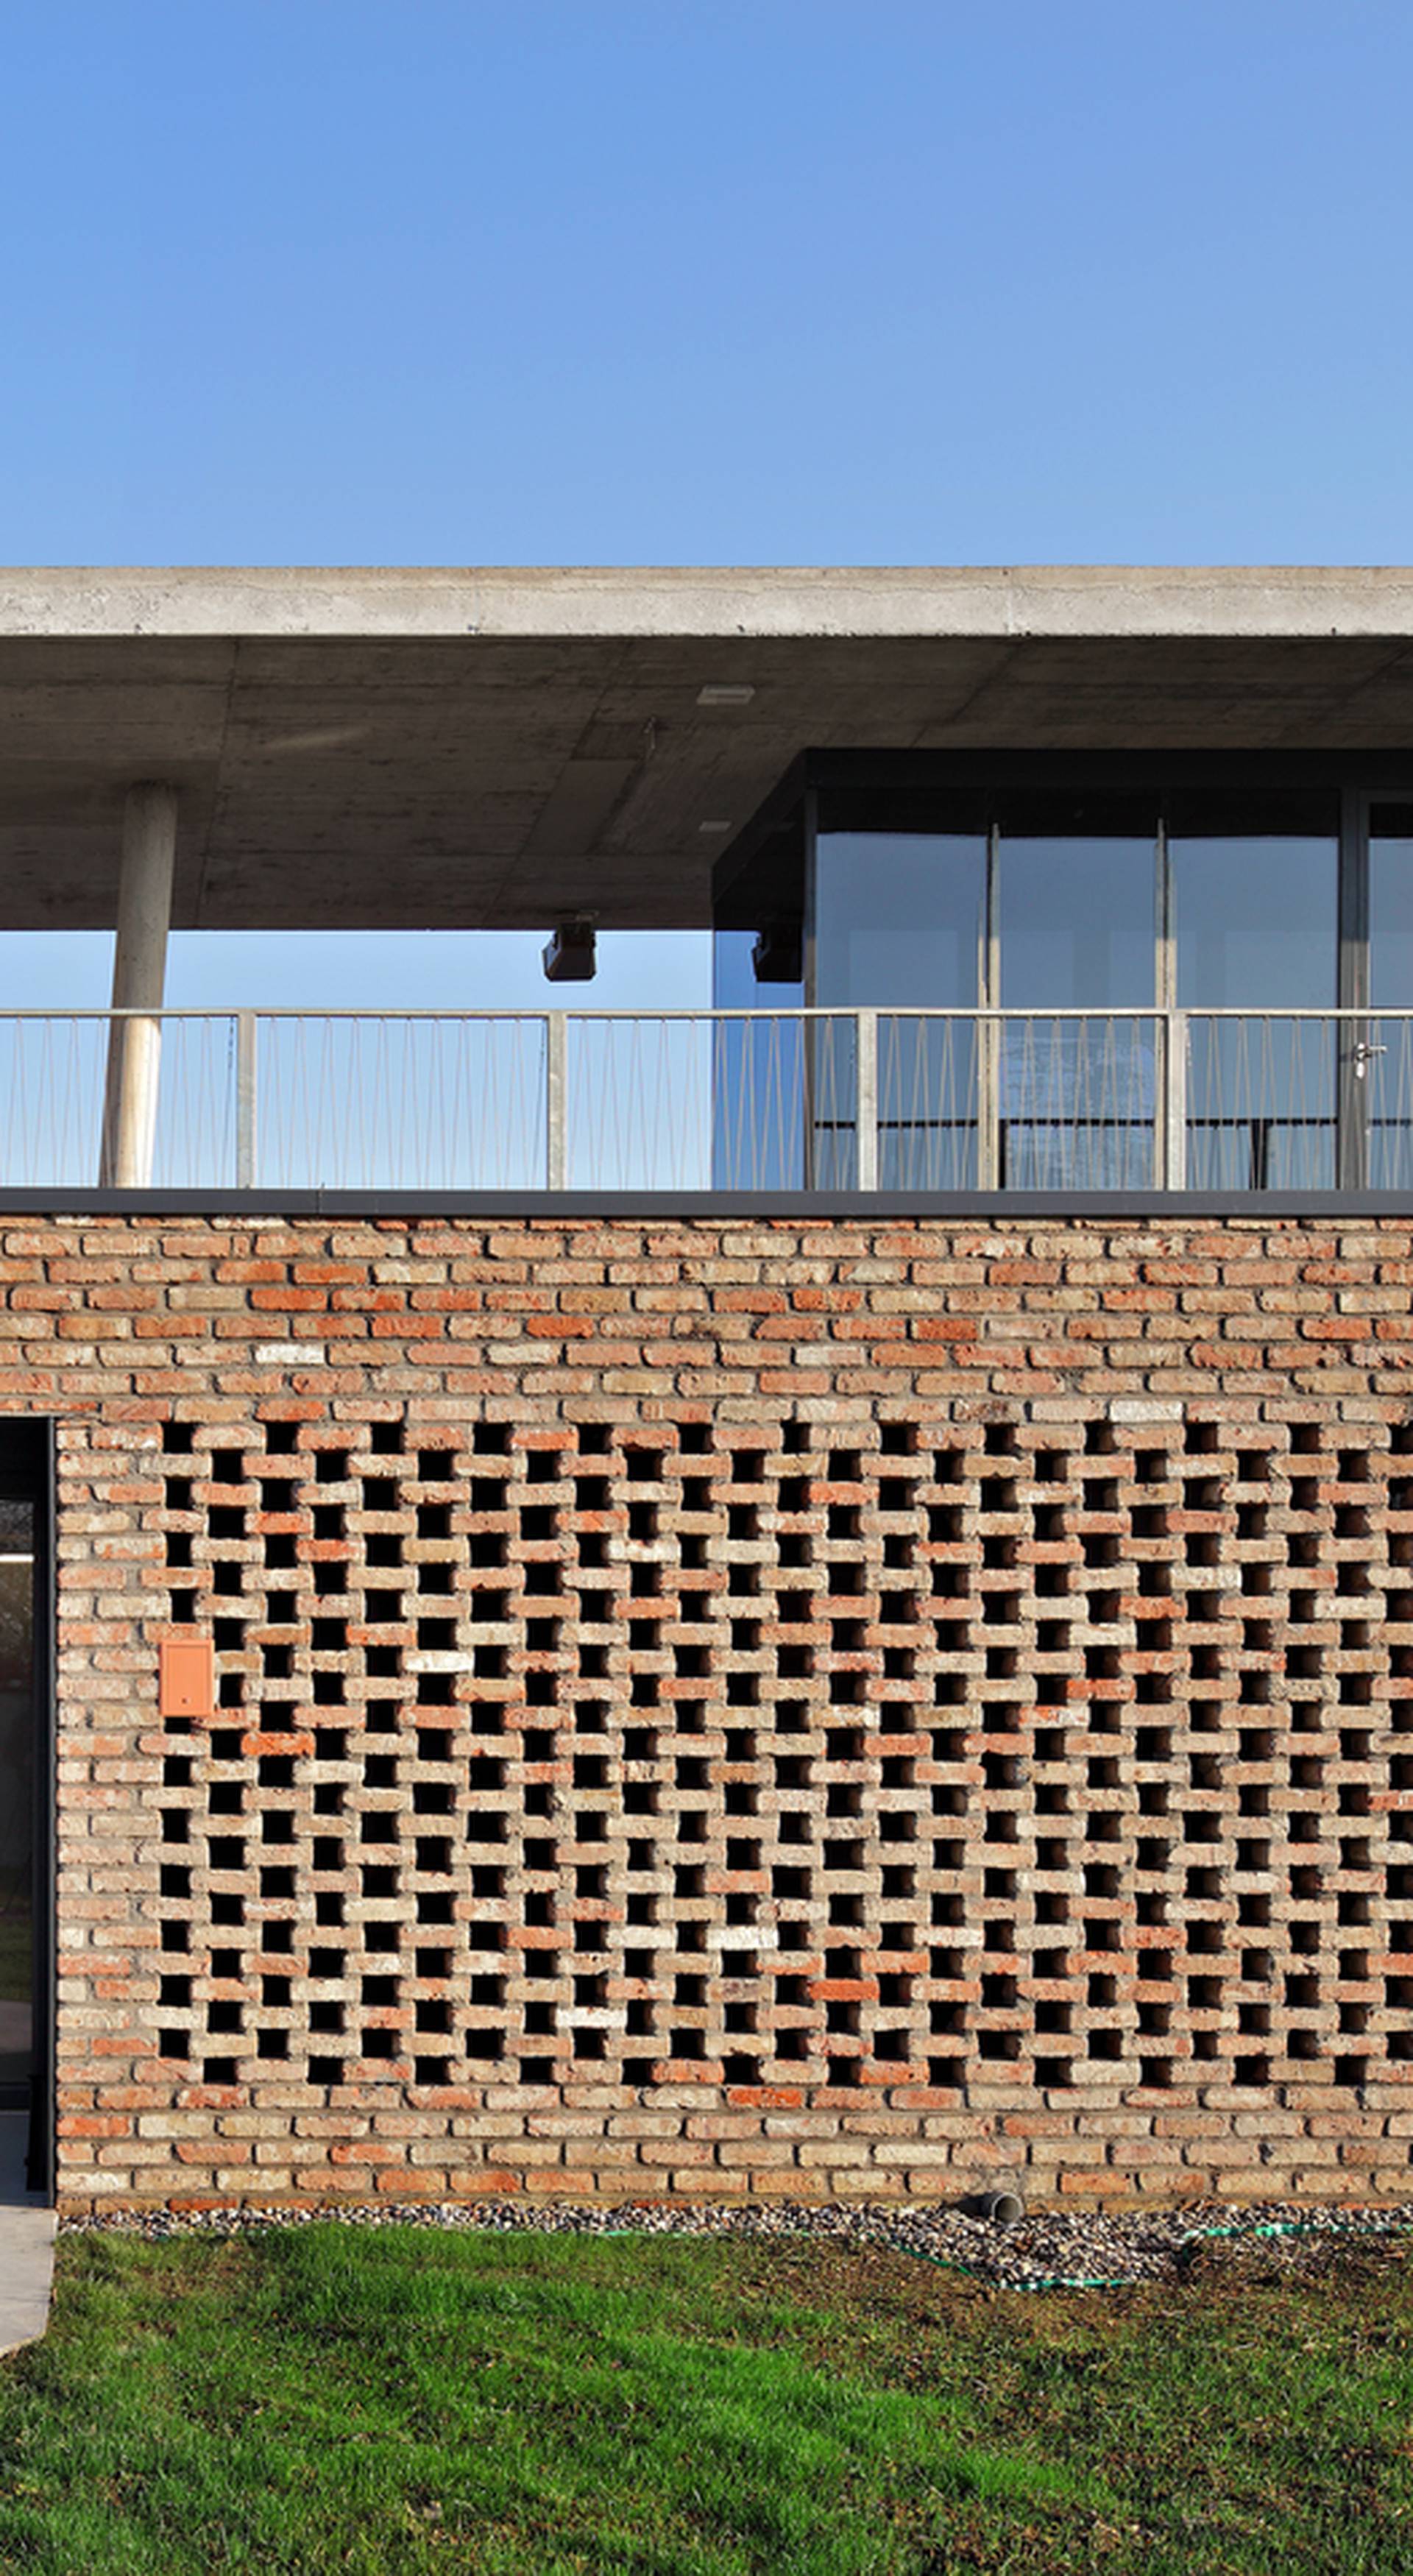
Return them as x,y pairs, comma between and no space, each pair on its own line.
1077,1075
1254,919
1380,1076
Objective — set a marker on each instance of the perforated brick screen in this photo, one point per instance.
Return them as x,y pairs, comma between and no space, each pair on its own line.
906,1756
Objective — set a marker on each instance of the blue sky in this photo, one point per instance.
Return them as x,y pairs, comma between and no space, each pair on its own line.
755,281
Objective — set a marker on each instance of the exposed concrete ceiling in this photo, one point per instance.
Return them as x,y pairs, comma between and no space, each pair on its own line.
372,749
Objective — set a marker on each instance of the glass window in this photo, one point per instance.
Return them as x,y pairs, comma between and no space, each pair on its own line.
1391,907
1256,923
1076,924
1097,918
898,919
734,986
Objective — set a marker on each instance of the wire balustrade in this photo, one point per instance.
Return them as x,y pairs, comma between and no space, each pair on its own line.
725,1103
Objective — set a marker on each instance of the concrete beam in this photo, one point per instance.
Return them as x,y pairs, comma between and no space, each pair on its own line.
1003,601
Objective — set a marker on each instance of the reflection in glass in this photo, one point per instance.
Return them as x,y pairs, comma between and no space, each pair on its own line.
759,1070
929,1074
898,923
16,1789
1391,909
898,920
1077,1102
1076,924
1256,932
1256,923
1077,1096
1060,931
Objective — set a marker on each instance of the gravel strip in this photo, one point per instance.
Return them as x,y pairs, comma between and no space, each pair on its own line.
1052,2250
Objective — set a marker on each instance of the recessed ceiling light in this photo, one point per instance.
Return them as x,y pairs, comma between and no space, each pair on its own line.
714,831
726,693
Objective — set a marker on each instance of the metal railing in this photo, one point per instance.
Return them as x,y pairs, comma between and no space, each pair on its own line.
728,1101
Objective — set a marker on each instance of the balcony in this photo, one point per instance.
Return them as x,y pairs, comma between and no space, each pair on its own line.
764,1104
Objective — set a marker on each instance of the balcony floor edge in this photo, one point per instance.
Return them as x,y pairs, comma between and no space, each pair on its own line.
996,1205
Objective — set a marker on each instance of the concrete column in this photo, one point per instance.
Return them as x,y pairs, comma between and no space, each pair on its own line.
139,978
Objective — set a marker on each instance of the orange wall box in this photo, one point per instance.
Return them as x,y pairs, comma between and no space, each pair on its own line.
186,1678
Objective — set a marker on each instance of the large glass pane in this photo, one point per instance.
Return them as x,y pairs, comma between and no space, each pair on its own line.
897,920
1391,908
1256,928
897,925
1386,1070
1077,1095
16,1790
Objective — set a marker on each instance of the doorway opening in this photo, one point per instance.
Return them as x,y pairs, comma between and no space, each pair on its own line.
26,1795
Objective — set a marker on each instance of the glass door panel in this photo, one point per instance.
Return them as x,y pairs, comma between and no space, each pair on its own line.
1384,1072
1077,1096
898,926
1256,933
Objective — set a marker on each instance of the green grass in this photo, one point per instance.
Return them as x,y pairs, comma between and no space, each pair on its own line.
393,2403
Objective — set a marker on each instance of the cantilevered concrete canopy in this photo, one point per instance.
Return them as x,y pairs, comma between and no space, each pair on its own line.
493,749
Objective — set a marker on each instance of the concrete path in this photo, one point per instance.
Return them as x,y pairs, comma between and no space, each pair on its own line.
27,2231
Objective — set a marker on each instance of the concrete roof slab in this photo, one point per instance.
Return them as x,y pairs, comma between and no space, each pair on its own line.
487,747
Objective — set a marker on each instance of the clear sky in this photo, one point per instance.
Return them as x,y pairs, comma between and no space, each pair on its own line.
716,281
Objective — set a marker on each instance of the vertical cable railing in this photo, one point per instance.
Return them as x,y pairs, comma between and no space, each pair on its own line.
1078,1100
1382,1071
1263,1099
849,1102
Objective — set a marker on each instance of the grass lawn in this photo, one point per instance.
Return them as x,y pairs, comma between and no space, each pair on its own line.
383,2404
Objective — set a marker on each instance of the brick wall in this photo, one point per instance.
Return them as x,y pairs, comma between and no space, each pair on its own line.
730,1707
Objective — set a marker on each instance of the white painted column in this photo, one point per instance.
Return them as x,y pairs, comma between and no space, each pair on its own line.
139,979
